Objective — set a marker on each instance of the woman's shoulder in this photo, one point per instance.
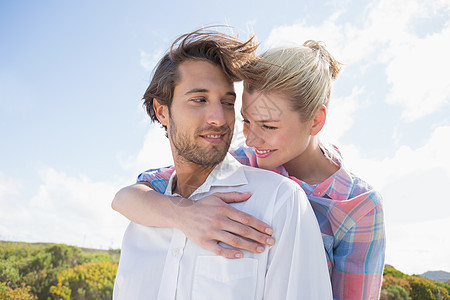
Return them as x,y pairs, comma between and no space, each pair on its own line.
347,180
245,155
362,187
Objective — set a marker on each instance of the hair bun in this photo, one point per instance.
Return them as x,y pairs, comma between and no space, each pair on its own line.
334,65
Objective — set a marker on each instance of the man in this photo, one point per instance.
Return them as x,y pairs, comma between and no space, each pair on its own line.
192,96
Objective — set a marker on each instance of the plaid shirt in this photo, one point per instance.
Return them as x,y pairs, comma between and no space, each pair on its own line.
350,216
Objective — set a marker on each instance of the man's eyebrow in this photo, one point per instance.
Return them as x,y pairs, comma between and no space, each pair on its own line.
196,91
193,91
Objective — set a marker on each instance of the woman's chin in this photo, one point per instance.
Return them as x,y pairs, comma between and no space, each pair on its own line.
265,165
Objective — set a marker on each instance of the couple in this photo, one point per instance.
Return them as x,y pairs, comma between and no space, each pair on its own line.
194,233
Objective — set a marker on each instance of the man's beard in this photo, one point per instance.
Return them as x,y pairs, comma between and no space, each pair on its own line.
193,152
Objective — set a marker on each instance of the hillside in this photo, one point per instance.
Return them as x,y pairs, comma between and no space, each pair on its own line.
58,271
55,271
437,275
398,285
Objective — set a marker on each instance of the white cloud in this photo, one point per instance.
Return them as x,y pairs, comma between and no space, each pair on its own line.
418,75
340,115
65,209
413,183
336,36
8,187
9,190
149,60
433,155
154,153
415,248
415,65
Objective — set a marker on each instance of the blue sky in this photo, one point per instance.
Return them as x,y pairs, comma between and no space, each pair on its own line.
73,131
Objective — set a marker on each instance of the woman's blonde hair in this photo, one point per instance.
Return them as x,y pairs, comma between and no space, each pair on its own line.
304,74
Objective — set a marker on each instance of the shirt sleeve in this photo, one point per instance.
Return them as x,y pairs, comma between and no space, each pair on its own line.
245,155
359,255
158,178
297,267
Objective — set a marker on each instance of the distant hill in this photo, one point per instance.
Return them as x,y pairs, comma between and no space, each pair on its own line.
437,275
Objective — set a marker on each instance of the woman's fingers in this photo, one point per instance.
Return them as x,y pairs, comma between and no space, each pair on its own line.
232,197
211,221
240,216
235,241
242,226
217,249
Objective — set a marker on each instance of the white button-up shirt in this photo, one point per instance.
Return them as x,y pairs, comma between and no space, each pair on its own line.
161,263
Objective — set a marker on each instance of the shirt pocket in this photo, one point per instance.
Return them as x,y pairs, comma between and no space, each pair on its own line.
217,277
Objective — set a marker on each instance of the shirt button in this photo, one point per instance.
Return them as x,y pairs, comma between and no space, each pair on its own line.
175,252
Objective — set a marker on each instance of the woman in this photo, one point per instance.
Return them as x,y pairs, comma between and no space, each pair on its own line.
285,100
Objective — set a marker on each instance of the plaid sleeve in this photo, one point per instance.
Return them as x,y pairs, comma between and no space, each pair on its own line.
158,178
359,256
245,155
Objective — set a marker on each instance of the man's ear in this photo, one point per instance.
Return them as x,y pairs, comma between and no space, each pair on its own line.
319,120
161,112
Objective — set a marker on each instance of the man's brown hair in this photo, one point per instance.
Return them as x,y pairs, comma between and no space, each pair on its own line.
223,50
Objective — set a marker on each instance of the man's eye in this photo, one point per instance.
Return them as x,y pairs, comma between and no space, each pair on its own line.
198,100
246,121
228,103
269,127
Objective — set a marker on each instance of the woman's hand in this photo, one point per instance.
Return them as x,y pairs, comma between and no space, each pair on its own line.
211,220
206,222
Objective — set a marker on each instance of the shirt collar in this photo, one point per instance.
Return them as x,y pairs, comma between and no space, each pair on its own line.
227,173
337,187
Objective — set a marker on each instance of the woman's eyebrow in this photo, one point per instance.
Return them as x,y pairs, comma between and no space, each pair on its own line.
262,121
267,121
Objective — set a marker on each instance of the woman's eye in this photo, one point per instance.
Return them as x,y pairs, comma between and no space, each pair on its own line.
269,127
246,121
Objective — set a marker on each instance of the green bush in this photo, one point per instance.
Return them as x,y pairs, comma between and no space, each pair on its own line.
22,292
390,270
88,281
38,265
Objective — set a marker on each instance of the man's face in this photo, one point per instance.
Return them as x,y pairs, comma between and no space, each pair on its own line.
202,113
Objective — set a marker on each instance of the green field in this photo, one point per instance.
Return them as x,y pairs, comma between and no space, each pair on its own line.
59,271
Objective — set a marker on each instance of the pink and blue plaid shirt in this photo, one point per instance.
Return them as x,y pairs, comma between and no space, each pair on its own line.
350,216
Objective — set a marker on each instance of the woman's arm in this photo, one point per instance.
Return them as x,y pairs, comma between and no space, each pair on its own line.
206,222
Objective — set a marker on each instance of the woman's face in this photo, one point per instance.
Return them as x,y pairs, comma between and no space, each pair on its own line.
273,129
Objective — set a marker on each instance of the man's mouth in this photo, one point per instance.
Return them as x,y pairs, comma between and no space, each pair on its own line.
214,138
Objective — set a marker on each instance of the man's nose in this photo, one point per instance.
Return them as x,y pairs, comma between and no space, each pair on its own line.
216,114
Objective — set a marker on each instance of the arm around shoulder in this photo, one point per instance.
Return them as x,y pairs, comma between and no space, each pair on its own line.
141,204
